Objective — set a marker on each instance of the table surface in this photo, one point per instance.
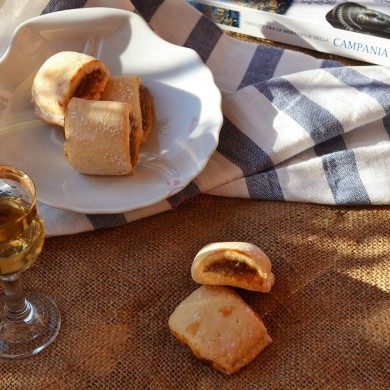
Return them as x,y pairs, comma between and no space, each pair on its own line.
327,314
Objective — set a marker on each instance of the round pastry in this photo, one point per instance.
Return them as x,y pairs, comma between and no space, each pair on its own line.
65,75
237,264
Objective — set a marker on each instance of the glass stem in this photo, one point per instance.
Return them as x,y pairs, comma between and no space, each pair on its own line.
16,307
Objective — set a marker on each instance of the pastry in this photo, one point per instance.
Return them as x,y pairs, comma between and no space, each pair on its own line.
126,89
238,264
65,75
219,327
97,137
129,88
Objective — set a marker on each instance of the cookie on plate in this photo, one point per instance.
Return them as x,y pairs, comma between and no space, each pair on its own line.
98,137
65,75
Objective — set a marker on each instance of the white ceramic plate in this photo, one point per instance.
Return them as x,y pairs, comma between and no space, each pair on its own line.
187,104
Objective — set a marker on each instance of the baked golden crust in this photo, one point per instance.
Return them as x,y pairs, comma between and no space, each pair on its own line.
65,75
237,264
127,89
97,137
219,327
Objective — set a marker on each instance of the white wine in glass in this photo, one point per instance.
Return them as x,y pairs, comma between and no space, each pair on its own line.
29,321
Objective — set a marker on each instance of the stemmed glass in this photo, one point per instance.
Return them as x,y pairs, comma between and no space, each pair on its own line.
29,320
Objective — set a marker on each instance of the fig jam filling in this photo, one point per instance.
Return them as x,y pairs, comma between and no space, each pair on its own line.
89,85
231,268
133,147
144,99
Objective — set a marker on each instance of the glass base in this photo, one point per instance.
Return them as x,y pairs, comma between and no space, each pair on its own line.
19,339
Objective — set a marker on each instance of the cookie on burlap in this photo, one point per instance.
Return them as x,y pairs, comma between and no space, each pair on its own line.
236,264
219,327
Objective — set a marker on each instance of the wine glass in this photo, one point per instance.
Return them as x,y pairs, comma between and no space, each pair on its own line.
29,320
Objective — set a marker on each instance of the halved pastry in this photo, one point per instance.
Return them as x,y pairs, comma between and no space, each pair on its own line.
219,327
129,89
97,137
65,75
126,89
237,264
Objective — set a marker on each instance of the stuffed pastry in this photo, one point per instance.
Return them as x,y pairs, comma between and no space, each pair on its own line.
237,264
97,137
219,327
126,89
65,75
129,88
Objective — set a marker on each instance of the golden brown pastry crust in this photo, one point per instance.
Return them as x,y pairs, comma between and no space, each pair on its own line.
97,137
219,327
62,76
238,264
127,89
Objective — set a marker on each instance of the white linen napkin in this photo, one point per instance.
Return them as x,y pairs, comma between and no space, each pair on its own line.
296,128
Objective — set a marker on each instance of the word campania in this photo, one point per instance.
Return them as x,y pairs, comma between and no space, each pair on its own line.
360,47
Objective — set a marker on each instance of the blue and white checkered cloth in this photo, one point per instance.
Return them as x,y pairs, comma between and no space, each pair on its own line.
296,128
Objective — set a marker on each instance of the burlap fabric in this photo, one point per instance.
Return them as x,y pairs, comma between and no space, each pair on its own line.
328,313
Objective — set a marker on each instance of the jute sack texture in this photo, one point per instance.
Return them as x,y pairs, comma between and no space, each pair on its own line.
328,313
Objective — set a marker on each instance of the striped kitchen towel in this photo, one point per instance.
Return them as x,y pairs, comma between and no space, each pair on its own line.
296,128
